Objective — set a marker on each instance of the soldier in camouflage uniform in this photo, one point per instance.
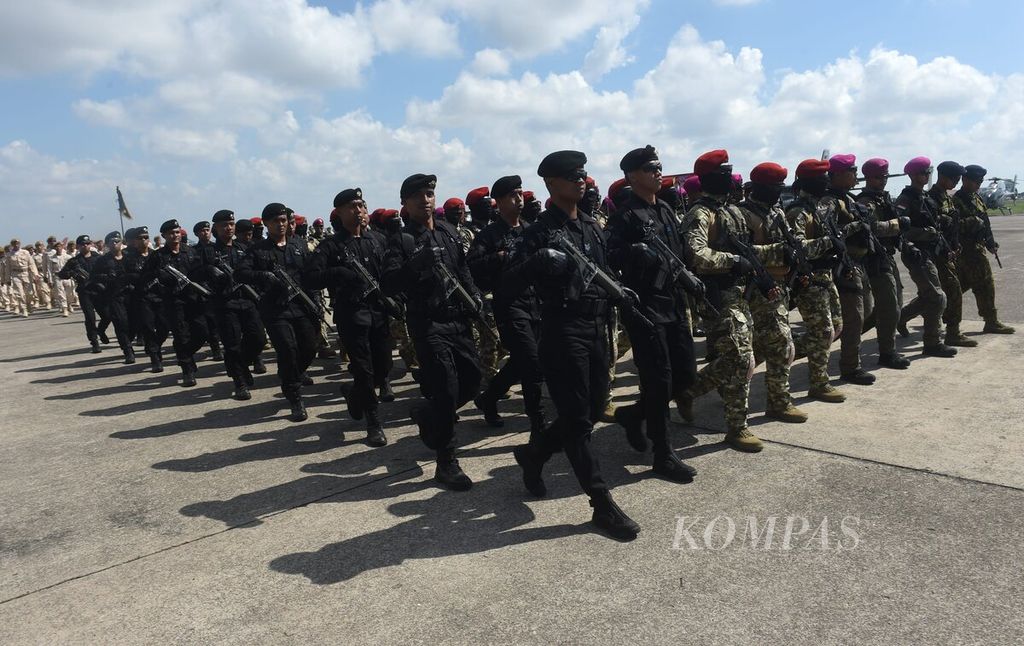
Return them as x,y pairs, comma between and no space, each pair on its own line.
773,340
818,301
883,273
726,274
855,298
949,173
973,266
927,246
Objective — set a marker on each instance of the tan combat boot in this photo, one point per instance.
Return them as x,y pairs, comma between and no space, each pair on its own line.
790,414
828,393
609,412
743,440
995,327
955,337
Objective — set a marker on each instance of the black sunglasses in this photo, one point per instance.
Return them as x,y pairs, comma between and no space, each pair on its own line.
575,175
651,167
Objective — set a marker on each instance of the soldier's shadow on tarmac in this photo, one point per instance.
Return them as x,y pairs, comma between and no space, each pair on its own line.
50,355
446,524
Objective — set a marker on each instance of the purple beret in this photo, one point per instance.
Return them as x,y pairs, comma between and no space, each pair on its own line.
875,167
840,163
692,184
917,165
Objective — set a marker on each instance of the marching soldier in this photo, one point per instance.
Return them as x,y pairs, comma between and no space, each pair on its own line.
21,272
883,272
517,317
174,267
145,306
928,246
646,246
818,301
949,173
277,266
855,298
974,269
204,240
348,264
415,264
109,281
78,269
42,288
716,231
233,304
60,288
573,342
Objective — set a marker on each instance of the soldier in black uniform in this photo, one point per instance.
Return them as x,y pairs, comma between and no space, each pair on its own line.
665,358
145,306
517,317
360,310
79,268
109,281
183,303
204,240
573,341
233,304
438,326
290,324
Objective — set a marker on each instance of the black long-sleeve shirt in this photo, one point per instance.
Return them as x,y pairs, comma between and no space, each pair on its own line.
331,269
488,258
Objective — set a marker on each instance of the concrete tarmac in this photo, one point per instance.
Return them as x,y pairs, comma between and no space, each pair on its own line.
135,511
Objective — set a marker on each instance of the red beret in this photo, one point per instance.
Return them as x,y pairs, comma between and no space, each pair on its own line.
319,222
256,221
300,219
812,168
668,182
840,163
476,195
768,173
710,162
453,203
334,215
527,196
616,187
591,181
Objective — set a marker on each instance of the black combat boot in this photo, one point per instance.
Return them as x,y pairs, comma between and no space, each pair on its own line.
129,355
374,433
859,377
939,350
156,362
188,376
450,474
216,354
488,405
95,346
241,390
387,394
894,361
668,465
533,466
611,519
258,367
299,413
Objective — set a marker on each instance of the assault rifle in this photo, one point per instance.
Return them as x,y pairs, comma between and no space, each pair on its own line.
224,267
677,269
452,287
802,267
293,291
183,282
393,306
591,273
988,239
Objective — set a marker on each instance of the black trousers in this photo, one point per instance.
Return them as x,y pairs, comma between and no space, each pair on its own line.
212,326
294,341
241,332
188,325
519,337
369,355
147,319
117,313
574,356
666,363
451,365
85,301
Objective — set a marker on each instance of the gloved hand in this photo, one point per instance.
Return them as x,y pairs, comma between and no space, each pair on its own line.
630,297
549,262
643,255
268,279
742,267
904,223
838,245
424,258
479,302
789,256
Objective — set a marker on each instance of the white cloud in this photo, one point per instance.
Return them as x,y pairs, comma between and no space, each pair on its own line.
489,62
191,144
104,113
608,52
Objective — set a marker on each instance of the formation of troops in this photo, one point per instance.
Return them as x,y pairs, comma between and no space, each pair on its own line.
499,289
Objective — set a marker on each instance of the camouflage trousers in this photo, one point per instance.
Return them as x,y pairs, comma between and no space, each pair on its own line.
43,297
885,288
975,273
489,348
773,345
930,301
400,334
733,365
953,313
823,322
856,303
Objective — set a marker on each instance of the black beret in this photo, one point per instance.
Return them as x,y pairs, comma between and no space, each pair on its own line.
113,236
636,158
561,163
136,232
223,215
975,172
416,183
199,226
169,225
243,225
273,210
346,196
950,169
82,240
505,185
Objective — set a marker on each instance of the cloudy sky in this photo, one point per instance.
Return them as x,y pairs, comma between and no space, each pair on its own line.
196,105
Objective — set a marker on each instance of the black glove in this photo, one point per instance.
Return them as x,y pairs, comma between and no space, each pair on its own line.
789,256
424,258
742,267
643,255
629,297
479,302
838,245
549,262
904,223
268,279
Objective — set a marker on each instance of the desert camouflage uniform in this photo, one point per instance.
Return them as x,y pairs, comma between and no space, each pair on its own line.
42,288
818,302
